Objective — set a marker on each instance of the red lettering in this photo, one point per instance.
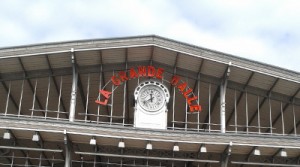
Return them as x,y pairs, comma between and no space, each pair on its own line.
132,74
182,86
116,81
175,80
186,93
189,100
195,108
102,102
106,94
159,73
123,76
151,71
142,70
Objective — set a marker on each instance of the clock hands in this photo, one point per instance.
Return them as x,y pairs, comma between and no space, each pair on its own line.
150,99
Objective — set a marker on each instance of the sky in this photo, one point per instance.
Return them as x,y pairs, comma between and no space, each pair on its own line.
267,31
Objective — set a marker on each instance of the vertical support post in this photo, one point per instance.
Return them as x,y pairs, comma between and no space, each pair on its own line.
222,108
52,162
270,107
186,115
40,160
68,149
235,112
282,118
247,119
198,94
295,127
173,106
74,88
209,107
7,100
12,159
47,100
59,98
33,100
112,103
258,115
87,98
26,160
20,103
223,88
100,85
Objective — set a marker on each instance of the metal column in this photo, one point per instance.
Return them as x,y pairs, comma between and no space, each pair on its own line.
68,149
74,88
223,88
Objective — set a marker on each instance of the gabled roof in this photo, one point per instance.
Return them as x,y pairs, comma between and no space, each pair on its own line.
150,40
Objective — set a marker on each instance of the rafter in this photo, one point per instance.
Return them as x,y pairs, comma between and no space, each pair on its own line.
172,91
10,95
284,108
55,84
30,85
240,98
263,101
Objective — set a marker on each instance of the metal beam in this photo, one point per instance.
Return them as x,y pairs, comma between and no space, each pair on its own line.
263,164
55,84
263,101
146,157
30,149
30,85
240,98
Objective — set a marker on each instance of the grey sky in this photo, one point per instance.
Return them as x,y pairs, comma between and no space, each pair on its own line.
262,30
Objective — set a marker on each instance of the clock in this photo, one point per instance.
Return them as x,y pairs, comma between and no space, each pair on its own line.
151,99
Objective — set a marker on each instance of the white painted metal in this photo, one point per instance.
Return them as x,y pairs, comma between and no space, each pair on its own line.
21,98
74,89
48,93
7,99
258,115
235,113
59,97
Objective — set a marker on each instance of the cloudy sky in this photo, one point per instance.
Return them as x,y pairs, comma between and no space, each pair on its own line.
263,30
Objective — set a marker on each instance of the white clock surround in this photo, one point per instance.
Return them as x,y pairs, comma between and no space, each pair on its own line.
151,99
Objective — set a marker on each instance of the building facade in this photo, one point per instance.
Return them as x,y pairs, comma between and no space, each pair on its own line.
144,101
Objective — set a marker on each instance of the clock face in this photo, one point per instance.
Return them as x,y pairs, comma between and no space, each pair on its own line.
151,98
